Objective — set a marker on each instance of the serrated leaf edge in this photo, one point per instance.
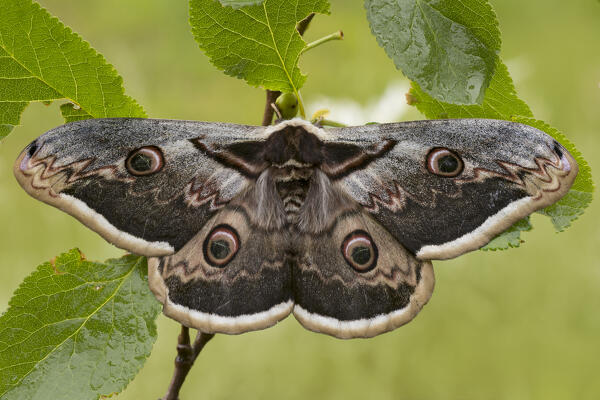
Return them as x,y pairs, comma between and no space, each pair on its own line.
87,47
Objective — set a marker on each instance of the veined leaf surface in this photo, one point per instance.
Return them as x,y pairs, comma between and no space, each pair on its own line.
77,329
259,44
448,47
42,60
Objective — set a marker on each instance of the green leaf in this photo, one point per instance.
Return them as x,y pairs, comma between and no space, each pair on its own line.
240,3
501,102
259,44
509,238
77,329
42,60
448,47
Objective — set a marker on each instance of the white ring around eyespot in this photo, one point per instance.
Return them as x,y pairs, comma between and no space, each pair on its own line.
157,161
229,235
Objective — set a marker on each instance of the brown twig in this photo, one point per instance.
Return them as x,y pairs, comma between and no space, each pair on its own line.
186,355
272,95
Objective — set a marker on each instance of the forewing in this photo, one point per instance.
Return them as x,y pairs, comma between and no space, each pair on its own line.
81,168
510,170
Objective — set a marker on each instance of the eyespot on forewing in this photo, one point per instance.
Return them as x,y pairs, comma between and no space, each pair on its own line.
444,162
146,160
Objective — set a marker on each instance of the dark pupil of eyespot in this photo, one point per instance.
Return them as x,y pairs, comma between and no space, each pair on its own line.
448,164
219,249
361,255
141,162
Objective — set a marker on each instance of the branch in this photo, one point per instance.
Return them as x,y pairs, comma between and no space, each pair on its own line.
269,110
186,355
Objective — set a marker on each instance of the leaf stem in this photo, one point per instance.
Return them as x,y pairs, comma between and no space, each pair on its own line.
186,355
301,27
300,105
328,122
339,35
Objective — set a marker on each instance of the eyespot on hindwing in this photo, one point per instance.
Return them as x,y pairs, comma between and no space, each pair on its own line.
221,245
359,251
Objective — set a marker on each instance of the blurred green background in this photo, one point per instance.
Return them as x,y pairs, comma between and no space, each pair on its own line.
518,324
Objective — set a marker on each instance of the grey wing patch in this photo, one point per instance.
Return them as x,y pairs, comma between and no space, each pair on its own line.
509,171
84,168
232,277
357,280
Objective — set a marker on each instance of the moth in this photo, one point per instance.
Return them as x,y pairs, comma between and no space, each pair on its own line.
244,225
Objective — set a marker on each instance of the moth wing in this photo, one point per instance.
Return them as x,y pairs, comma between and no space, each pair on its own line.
508,171
81,168
334,297
201,287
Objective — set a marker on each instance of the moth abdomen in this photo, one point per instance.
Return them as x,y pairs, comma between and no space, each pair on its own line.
292,186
